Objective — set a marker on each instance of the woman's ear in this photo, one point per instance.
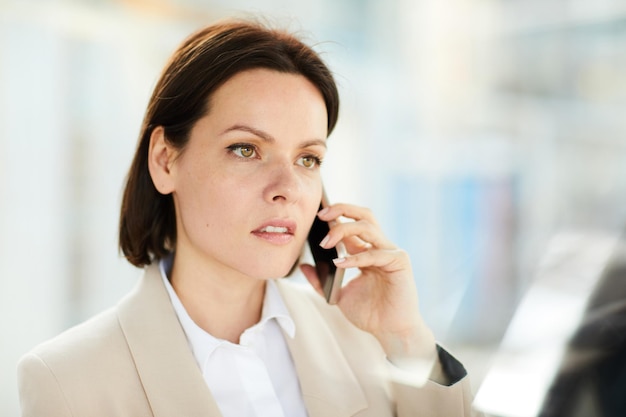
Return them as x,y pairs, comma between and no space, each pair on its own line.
161,156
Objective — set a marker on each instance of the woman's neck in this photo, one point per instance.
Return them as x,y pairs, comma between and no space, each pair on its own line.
221,302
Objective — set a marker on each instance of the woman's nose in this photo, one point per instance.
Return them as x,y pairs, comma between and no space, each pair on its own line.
283,184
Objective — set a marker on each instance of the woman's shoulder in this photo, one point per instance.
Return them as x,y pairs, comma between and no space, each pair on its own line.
86,346
87,364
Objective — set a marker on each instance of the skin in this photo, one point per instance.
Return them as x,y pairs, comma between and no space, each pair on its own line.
251,162
382,298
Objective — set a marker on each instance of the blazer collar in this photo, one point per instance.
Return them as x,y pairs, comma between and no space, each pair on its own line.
170,376
329,387
174,384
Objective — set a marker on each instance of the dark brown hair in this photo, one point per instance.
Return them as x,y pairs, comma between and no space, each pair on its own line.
201,64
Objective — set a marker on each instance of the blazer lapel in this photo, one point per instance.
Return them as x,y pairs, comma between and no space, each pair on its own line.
170,376
329,387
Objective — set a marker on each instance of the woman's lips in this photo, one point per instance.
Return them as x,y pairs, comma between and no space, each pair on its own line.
276,232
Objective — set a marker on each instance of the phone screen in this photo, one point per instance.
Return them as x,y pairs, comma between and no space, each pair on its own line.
330,276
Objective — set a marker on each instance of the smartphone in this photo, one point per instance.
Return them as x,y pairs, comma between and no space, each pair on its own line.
330,276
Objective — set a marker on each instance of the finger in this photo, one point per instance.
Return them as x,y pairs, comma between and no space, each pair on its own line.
388,260
359,235
349,211
355,244
311,275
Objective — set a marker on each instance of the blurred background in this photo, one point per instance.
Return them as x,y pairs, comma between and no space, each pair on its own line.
488,136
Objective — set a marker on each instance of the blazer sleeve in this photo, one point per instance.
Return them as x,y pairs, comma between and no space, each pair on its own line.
435,400
40,393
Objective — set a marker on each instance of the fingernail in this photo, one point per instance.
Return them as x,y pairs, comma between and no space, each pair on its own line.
339,260
324,241
323,211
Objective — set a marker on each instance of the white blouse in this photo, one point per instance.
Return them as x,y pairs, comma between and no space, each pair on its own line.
256,377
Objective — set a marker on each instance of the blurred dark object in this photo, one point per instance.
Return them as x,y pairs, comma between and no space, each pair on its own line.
591,381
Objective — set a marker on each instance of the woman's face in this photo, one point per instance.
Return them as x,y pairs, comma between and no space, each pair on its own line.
247,186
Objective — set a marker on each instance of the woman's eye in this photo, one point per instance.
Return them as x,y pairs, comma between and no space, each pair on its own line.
309,161
243,151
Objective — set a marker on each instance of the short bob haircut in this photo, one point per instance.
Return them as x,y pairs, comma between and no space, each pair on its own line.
201,64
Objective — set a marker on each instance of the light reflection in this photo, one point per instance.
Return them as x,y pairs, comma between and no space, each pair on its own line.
533,347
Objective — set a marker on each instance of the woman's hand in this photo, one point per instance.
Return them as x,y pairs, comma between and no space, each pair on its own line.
382,299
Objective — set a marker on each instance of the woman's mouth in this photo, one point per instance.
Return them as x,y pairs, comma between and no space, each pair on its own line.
277,233
274,229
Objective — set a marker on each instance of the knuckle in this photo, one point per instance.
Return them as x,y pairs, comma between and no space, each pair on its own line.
401,253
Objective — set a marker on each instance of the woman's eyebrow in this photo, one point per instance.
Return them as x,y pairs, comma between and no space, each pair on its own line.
266,137
313,142
256,132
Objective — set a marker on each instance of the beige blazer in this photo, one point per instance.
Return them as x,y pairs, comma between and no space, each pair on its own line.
134,360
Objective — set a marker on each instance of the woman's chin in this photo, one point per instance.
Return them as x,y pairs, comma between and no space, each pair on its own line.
292,269
276,271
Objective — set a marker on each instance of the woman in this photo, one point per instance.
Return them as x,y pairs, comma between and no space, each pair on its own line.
221,194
